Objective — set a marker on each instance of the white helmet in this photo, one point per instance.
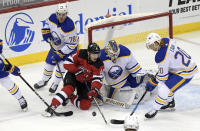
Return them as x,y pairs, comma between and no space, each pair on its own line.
131,123
62,8
151,38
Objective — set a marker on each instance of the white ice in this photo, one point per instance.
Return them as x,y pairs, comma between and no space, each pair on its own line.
185,118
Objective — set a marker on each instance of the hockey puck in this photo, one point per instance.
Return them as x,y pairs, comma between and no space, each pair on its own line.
94,113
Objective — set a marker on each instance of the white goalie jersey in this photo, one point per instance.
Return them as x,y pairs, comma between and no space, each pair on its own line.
116,74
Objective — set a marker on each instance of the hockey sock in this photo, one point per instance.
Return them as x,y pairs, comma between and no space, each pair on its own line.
11,87
161,97
48,71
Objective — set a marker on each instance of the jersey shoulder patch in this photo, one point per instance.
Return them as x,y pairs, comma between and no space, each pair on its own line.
162,53
53,19
68,25
124,51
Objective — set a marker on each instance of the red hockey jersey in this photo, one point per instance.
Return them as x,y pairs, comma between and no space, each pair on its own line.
94,73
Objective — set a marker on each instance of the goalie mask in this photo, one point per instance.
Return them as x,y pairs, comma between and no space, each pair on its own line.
112,50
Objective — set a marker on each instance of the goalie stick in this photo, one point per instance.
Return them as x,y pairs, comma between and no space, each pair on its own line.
69,113
115,121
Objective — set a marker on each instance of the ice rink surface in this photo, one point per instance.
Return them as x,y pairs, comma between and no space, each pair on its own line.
185,118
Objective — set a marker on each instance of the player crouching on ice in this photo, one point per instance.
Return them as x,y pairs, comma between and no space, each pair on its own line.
123,74
5,80
83,67
175,69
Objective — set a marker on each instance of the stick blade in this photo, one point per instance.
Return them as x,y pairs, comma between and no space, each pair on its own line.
69,113
114,121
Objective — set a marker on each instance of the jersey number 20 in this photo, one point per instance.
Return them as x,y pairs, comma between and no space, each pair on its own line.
185,57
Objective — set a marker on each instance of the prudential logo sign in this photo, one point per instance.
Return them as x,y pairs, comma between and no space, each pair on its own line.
18,32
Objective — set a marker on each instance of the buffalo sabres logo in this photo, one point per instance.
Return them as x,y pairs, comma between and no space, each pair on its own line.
19,33
115,71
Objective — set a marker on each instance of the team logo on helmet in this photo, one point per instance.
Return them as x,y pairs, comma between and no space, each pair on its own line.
115,71
19,34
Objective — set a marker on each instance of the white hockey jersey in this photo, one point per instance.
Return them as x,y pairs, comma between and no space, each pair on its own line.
116,73
172,59
64,35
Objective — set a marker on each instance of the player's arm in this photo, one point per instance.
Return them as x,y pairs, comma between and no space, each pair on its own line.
46,32
97,79
72,62
70,45
134,67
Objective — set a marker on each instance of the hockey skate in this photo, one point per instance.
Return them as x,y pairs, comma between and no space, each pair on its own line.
151,114
170,106
23,104
40,84
48,112
53,88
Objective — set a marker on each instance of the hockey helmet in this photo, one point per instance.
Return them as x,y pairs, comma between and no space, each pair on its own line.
112,50
131,123
93,48
151,38
62,8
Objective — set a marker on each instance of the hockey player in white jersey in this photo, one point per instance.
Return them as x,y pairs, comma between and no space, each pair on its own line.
175,69
6,82
60,32
122,73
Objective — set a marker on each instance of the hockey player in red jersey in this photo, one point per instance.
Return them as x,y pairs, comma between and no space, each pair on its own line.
84,67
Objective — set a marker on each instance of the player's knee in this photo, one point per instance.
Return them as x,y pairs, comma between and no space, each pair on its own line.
85,104
163,90
68,89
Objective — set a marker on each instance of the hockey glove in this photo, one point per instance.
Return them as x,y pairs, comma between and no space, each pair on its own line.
151,84
12,69
93,93
1,46
46,34
58,56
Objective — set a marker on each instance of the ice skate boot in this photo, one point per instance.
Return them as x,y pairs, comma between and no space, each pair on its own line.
53,88
48,112
23,104
170,106
40,84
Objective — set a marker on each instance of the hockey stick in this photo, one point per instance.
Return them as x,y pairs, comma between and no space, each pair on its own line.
114,121
59,70
97,104
69,113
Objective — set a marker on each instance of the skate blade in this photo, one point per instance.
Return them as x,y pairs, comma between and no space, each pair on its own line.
46,114
168,110
25,109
